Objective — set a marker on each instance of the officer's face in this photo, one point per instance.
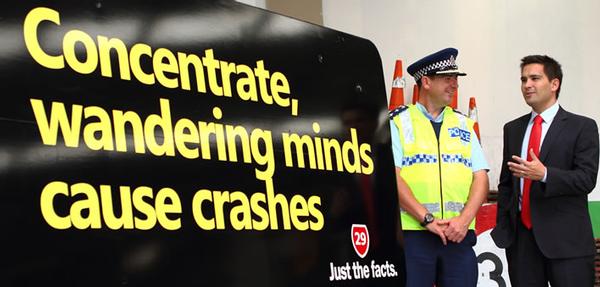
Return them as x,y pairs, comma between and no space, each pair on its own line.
538,91
442,88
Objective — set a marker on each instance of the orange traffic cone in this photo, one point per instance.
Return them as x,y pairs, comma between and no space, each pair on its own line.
415,97
397,96
474,116
454,103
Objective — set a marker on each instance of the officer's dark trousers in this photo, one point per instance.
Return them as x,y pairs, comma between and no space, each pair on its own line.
429,262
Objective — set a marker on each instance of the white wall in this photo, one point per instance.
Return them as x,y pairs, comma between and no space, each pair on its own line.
491,36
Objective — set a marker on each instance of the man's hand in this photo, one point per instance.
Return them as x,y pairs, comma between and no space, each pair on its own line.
437,227
456,229
534,169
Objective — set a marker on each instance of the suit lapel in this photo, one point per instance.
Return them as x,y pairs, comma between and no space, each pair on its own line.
554,131
520,132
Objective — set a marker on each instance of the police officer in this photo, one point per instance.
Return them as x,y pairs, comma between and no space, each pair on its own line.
442,179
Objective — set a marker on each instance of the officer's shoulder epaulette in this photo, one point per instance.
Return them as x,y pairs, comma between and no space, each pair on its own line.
397,111
460,113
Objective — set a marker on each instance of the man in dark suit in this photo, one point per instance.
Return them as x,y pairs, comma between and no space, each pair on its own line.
550,164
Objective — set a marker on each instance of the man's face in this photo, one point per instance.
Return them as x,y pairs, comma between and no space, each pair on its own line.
442,88
538,91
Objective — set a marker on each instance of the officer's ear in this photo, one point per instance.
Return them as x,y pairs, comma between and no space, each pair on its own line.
426,82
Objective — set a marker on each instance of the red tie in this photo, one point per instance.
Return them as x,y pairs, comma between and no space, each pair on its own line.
534,143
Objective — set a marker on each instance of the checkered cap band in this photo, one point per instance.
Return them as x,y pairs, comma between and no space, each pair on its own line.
444,65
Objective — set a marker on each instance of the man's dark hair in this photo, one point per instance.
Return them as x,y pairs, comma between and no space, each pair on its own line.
552,68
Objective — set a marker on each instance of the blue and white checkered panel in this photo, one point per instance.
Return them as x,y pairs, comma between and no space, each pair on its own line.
441,65
456,158
418,158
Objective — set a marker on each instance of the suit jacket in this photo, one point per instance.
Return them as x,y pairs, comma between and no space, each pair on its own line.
559,208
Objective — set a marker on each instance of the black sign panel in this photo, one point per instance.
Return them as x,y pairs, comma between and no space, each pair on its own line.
191,143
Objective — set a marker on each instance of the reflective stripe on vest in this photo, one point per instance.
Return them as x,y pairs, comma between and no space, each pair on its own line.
449,206
438,176
407,127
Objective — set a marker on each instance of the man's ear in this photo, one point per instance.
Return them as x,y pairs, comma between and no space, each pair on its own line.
425,82
554,84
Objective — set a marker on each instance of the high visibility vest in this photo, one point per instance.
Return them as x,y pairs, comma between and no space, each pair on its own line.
439,174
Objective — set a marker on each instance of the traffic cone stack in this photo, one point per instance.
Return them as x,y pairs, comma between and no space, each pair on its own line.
415,97
474,116
397,96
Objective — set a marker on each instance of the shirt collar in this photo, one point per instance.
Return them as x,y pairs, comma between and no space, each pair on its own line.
423,110
547,115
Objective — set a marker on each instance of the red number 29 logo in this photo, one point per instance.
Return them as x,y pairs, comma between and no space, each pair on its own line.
360,239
